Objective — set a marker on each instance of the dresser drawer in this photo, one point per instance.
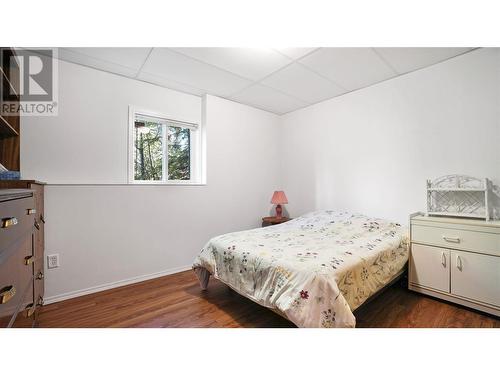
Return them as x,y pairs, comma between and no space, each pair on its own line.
16,219
16,281
480,242
25,317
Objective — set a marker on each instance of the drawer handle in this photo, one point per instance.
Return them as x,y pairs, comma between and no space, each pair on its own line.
443,259
459,263
451,239
31,211
29,260
9,222
37,225
40,276
30,310
7,293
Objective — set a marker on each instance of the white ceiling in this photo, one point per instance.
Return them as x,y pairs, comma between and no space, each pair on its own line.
276,80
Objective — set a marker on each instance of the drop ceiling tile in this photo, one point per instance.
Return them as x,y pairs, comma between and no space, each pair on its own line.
251,63
170,65
302,83
164,82
268,99
125,61
351,68
295,52
405,59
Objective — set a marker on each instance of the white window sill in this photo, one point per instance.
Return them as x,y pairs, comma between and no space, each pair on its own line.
163,183
129,184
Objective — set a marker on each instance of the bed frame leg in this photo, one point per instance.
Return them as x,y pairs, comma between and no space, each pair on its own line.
203,277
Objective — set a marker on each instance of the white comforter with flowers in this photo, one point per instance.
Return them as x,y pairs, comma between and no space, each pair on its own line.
315,270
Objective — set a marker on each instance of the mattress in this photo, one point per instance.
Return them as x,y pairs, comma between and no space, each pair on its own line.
314,270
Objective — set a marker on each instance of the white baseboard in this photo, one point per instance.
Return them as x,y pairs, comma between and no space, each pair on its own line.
114,284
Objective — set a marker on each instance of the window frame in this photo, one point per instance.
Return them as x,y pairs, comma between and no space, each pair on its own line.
194,149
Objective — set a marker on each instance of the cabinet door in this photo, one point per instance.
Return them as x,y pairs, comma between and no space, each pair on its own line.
476,276
429,267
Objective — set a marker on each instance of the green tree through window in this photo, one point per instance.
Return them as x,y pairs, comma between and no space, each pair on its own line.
179,158
149,149
148,160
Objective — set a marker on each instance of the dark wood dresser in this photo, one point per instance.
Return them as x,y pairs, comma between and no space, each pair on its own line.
21,255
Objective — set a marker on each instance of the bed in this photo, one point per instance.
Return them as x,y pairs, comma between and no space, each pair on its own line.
314,270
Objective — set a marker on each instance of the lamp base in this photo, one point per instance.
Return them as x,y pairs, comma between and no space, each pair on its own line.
279,211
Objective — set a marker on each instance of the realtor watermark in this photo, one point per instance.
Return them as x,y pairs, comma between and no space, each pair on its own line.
29,84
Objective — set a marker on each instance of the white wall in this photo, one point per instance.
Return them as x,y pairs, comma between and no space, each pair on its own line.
87,142
106,234
372,150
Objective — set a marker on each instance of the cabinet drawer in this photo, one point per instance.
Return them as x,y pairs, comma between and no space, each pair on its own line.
430,267
15,279
482,242
476,277
26,315
16,219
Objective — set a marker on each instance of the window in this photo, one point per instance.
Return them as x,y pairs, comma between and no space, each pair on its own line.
162,150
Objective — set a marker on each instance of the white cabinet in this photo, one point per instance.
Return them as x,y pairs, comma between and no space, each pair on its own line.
457,260
430,267
476,276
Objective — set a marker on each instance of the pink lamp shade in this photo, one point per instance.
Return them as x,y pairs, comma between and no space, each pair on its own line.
279,197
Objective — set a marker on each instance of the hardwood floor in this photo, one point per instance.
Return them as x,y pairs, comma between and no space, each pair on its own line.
177,301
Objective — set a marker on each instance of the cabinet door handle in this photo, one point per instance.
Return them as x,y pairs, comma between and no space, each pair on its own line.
7,293
443,259
459,263
37,225
42,219
39,276
29,260
31,211
451,239
9,222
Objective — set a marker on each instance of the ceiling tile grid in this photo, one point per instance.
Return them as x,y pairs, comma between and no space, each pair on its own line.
266,98
404,59
249,63
303,84
277,80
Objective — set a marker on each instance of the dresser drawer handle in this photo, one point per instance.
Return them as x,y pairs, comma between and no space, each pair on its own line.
9,222
29,260
7,293
30,310
451,239
31,211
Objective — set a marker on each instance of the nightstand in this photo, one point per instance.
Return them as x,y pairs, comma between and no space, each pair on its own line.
457,260
273,220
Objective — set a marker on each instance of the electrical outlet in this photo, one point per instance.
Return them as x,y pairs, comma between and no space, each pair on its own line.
52,261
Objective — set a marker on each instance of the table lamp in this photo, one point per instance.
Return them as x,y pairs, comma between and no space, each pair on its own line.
278,199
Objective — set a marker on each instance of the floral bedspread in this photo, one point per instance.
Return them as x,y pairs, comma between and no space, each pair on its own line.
315,270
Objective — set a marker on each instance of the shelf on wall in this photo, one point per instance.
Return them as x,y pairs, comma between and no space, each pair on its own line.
6,130
6,79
